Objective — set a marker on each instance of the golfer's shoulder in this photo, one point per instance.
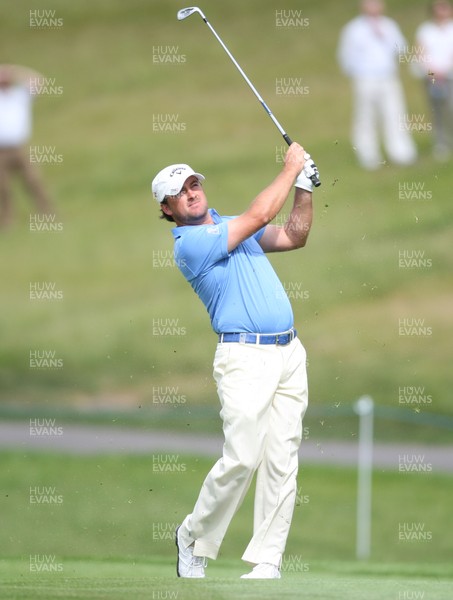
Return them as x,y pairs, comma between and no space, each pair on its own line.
198,235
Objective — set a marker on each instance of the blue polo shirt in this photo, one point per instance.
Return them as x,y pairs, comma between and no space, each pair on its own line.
240,289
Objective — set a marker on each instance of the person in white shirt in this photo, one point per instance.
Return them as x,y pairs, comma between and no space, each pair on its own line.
368,53
15,131
434,40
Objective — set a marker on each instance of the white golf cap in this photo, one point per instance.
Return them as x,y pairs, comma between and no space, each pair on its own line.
170,180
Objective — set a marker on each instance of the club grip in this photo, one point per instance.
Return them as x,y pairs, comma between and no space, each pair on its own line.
287,139
315,176
315,180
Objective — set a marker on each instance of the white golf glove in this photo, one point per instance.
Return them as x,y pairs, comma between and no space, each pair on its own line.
303,180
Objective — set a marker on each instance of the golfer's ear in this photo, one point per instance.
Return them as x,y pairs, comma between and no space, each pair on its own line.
165,208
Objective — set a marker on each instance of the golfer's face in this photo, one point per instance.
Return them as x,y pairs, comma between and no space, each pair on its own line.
190,206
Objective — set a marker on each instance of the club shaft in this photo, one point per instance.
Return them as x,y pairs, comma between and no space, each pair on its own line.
250,84
313,173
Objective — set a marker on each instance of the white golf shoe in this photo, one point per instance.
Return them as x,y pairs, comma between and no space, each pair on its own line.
188,565
263,571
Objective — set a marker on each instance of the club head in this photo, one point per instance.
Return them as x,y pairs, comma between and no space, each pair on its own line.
186,12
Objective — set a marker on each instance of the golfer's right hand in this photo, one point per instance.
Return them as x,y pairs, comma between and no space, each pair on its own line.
295,158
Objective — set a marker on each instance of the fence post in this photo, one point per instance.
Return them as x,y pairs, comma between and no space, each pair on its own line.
364,407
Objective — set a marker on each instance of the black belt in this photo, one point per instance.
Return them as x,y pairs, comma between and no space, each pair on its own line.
279,339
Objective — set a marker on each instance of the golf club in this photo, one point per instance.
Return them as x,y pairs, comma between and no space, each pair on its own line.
310,168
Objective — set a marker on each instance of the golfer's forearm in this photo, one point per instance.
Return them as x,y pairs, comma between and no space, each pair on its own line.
270,201
298,225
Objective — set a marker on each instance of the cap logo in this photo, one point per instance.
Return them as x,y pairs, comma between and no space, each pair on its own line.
178,171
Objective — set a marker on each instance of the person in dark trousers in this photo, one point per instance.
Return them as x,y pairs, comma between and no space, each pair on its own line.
434,39
15,131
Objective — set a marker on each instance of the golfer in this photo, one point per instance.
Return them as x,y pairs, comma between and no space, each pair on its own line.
259,364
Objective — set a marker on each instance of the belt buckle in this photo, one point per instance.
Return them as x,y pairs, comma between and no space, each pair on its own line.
289,336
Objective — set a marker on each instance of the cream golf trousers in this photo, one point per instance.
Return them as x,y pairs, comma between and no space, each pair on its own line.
263,394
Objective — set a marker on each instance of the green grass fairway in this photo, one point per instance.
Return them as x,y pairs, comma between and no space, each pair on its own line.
154,579
122,507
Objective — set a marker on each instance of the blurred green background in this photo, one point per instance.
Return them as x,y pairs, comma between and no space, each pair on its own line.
110,261
111,258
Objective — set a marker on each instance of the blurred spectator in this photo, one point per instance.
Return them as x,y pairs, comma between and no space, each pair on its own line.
434,40
368,53
15,131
